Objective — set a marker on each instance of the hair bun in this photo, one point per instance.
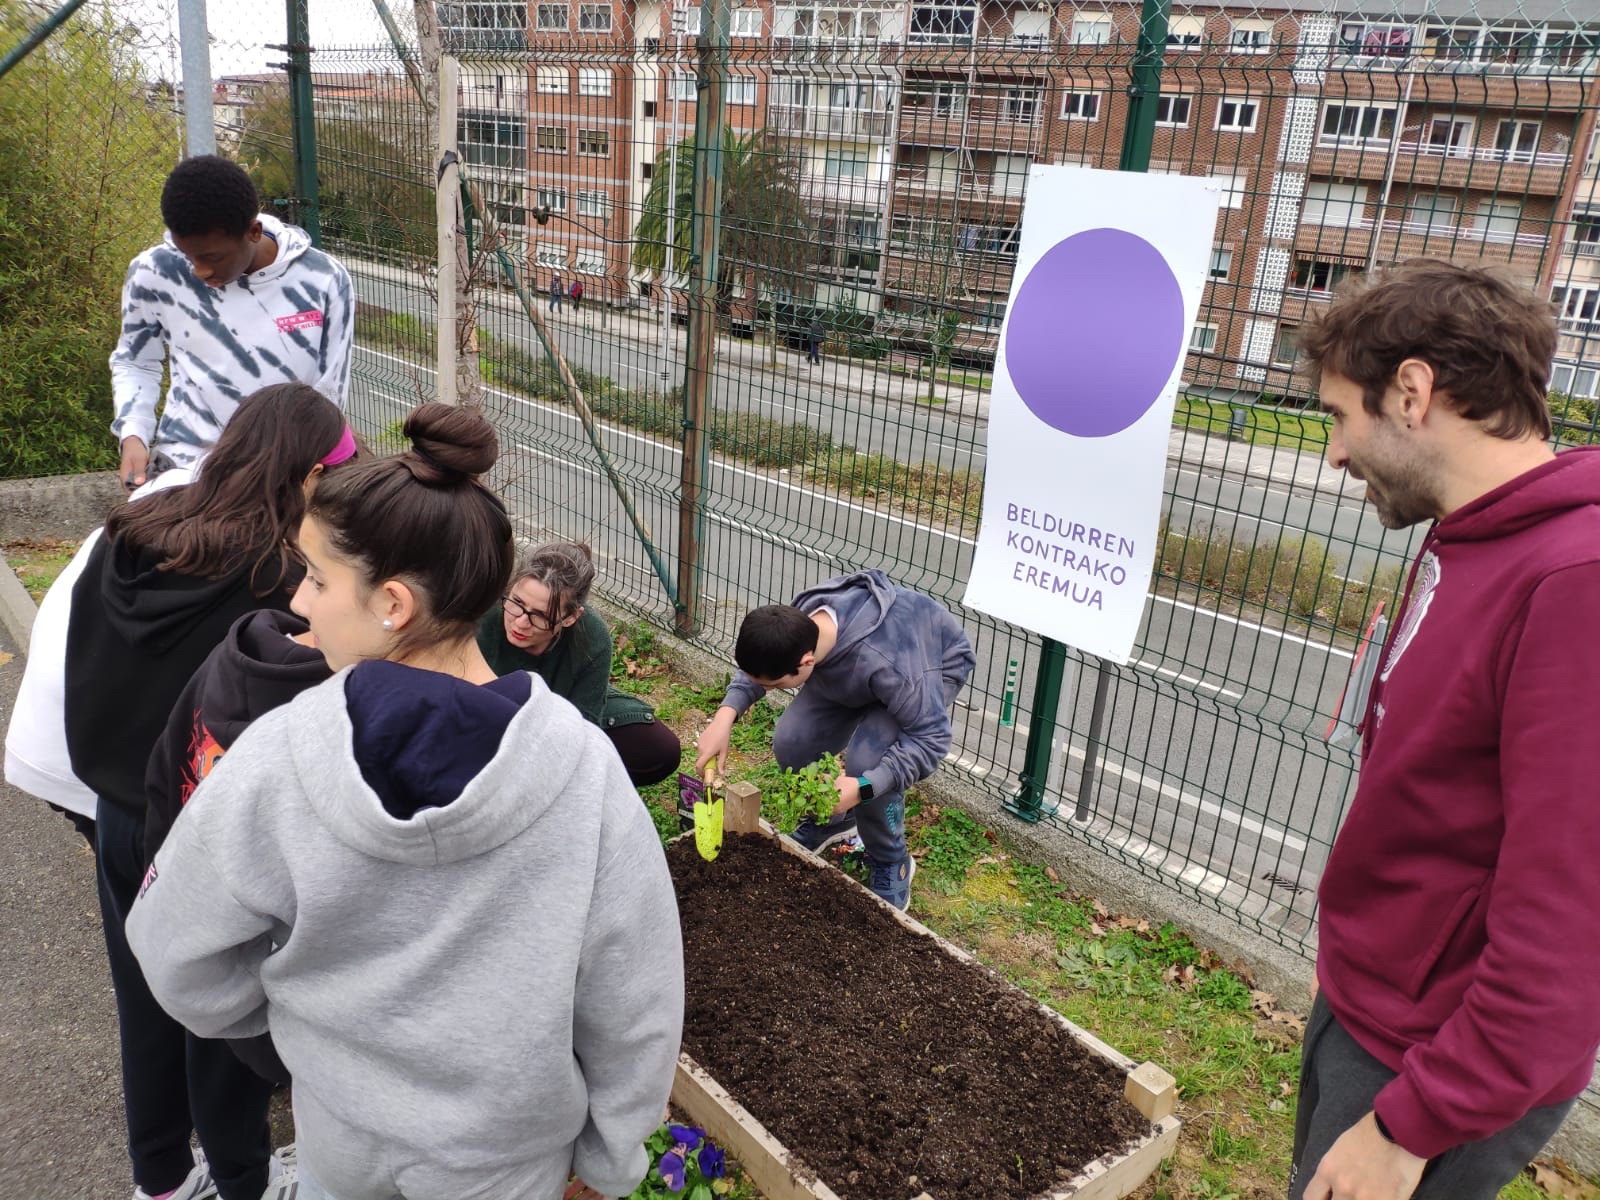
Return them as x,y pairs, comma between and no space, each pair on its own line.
449,443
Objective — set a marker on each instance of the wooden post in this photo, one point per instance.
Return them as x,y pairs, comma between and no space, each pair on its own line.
1152,1091
741,809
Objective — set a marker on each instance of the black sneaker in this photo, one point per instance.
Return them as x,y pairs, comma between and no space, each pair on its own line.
817,837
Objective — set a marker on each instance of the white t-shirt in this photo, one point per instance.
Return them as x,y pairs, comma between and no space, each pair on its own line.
36,758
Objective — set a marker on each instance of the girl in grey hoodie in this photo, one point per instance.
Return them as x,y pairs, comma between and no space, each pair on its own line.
437,888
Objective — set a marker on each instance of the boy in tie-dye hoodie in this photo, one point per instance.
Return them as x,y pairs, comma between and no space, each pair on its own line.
231,300
878,667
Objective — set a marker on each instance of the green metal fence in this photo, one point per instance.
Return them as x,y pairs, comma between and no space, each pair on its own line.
868,172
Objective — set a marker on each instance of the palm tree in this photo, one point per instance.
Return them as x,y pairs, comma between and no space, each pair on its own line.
766,230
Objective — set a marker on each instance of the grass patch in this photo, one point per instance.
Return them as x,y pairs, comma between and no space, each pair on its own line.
37,562
1264,425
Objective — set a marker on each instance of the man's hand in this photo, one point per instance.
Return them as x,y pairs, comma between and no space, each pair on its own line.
849,790
135,461
714,738
1365,1165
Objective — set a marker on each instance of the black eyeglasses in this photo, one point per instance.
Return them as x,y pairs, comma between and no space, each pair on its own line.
540,622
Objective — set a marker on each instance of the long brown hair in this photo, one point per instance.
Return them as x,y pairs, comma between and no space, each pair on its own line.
244,507
425,517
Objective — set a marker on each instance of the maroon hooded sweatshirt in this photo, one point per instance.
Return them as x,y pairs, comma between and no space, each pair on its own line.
1460,907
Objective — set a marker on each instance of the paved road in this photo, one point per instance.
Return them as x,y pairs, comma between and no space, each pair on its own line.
1217,771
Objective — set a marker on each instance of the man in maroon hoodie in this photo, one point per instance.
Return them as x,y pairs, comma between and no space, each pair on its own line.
1459,947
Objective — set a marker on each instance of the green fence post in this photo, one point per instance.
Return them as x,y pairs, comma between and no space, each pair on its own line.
300,113
1144,88
704,239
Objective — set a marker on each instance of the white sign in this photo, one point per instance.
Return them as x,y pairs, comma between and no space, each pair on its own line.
1110,270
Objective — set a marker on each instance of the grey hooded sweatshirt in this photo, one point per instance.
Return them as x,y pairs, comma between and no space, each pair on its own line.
474,999
896,648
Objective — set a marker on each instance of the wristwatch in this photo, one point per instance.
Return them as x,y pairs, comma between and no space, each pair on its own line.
866,787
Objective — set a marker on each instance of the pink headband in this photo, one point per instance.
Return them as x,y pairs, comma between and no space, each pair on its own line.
345,448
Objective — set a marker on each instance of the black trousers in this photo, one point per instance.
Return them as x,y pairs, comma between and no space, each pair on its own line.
1338,1083
172,1081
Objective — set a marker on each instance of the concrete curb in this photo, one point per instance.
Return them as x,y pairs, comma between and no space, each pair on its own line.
17,608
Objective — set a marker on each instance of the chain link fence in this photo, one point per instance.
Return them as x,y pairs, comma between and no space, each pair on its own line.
873,160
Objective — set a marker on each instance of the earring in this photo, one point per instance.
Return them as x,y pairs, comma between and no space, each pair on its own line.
388,624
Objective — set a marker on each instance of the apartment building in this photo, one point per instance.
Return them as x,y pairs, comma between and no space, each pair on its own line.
1339,142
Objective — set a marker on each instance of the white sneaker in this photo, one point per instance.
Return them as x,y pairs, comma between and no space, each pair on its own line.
198,1186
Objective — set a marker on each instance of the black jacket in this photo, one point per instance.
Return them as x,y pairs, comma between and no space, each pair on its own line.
135,637
256,668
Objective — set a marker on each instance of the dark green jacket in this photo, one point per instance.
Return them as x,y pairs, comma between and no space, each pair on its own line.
576,667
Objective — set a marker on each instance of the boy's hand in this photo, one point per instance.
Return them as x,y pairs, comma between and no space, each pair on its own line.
714,740
1365,1165
135,462
849,793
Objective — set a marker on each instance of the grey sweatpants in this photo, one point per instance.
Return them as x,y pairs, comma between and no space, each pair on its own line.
814,725
1338,1083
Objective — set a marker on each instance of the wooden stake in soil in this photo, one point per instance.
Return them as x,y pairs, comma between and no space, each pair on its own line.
741,812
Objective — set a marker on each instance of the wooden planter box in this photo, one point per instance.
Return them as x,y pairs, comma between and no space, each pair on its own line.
782,1176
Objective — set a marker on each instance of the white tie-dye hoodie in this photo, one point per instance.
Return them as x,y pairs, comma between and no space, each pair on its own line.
291,321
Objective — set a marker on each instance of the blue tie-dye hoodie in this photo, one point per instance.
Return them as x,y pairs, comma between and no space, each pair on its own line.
292,321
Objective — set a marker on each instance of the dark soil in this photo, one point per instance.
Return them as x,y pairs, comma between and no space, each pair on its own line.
887,1065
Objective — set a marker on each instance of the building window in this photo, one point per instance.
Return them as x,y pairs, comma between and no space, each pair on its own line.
1339,205
1287,348
647,171
1091,29
1577,305
1204,339
746,23
550,254
1450,136
943,22
1575,380
594,204
550,17
1022,105
594,143
1236,115
1516,141
594,18
1497,220
649,112
1586,233
686,21
1250,37
652,47
1030,28
741,89
553,198
551,81
504,201
1081,106
550,139
489,141
682,86
845,164
594,81
1173,111
1318,274
1432,212
1186,33
486,24
950,98
1221,264
588,262
1375,39
1353,124
1234,188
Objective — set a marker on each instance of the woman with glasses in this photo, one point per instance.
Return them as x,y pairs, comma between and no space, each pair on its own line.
542,626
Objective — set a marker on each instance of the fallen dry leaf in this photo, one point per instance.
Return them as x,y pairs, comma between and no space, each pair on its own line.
1050,874
1100,910
1096,929
5,657
1558,1179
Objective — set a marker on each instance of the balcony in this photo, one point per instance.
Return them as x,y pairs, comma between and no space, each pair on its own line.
1509,172
1002,127
1442,236
846,191
796,121
965,185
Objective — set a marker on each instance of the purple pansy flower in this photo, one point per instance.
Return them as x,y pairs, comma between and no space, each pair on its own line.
672,1168
711,1165
688,1137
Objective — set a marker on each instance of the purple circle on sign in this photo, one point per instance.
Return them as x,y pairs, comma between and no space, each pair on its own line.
1094,332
